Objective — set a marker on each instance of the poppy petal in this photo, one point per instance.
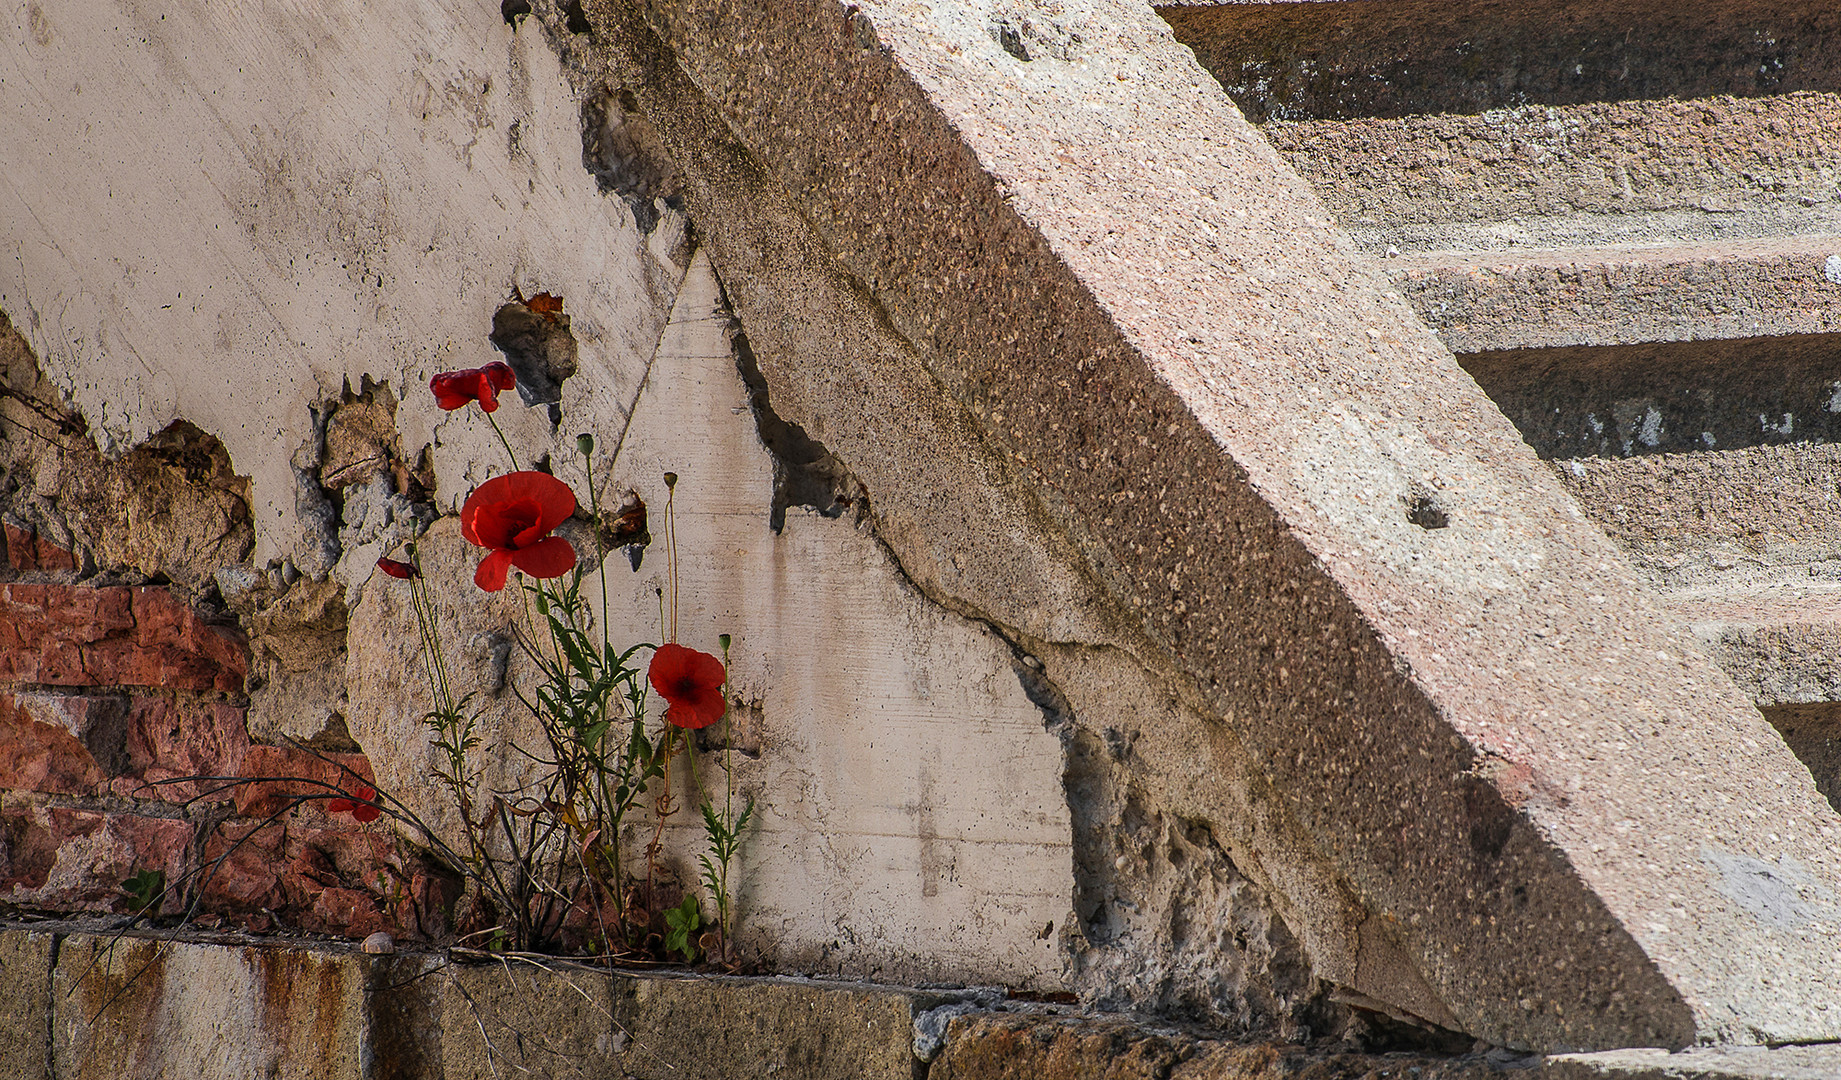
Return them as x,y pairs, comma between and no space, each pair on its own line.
487,393
500,374
551,557
492,570
697,711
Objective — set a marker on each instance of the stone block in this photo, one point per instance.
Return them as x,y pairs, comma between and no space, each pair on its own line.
25,1004
712,1029
570,1021
991,1046
138,1008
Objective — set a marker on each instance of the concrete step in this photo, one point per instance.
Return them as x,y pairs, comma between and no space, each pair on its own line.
1705,170
1360,58
1781,643
1625,218
1482,301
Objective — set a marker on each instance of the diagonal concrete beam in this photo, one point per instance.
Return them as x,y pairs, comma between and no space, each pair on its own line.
1104,295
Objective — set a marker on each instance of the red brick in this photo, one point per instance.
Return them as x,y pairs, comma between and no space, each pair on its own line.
298,773
348,912
74,635
28,551
169,740
76,860
40,756
241,867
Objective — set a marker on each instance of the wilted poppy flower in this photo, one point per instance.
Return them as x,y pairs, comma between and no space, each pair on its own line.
513,515
396,568
691,684
363,812
453,389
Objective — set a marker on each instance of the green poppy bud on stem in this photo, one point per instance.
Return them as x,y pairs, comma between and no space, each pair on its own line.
584,444
723,640
671,480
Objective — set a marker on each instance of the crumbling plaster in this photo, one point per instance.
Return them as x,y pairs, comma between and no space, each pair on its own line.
362,240
228,216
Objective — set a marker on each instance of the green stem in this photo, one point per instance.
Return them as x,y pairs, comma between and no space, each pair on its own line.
490,419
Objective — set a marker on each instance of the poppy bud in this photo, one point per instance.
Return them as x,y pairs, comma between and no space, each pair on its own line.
671,480
584,444
398,569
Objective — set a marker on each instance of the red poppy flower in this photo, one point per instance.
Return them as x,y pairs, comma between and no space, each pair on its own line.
396,568
691,684
513,515
361,811
453,389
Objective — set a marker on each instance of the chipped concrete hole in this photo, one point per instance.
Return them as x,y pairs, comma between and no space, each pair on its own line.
1423,510
805,473
540,349
1622,401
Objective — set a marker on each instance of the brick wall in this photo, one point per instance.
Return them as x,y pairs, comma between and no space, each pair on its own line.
114,701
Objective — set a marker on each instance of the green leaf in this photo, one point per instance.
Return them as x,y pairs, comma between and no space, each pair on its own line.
683,922
144,889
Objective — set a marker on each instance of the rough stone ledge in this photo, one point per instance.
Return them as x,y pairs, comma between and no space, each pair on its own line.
232,1005
1816,1062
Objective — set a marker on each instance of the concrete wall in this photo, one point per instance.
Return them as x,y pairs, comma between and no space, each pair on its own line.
336,205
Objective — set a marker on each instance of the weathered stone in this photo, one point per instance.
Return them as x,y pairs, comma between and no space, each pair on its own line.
136,1008
66,859
171,738
297,661
172,507
36,755
985,1046
1701,1063
25,1004
570,1021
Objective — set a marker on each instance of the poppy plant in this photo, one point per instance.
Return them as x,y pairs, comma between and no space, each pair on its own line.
691,684
512,515
358,806
453,389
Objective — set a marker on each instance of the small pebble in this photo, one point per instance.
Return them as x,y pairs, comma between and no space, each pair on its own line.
380,942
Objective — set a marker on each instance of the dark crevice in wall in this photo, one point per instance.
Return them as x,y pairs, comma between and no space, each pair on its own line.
804,472
540,348
625,156
1346,59
1667,397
